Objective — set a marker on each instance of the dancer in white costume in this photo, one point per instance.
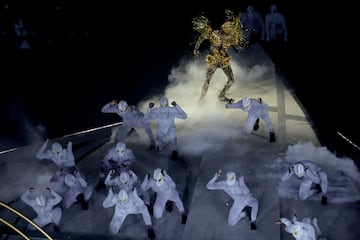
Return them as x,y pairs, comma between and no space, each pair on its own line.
118,158
314,179
44,207
307,229
76,190
241,195
131,118
165,116
62,157
125,204
127,180
256,109
165,188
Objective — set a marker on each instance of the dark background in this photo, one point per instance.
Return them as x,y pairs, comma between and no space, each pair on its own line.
86,53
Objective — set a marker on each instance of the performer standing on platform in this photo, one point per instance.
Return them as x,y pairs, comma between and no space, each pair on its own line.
230,34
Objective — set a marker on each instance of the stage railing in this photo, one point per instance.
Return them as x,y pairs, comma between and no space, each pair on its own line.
23,217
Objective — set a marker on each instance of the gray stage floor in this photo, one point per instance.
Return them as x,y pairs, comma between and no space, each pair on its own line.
210,139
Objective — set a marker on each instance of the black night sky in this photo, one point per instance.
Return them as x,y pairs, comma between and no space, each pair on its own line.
86,53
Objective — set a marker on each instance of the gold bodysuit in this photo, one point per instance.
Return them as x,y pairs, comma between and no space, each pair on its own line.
231,34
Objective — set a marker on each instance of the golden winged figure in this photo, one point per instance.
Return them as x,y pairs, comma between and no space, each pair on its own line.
230,35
